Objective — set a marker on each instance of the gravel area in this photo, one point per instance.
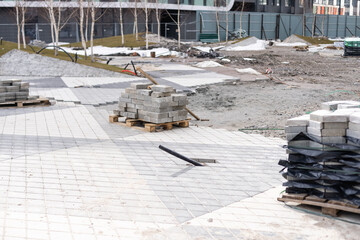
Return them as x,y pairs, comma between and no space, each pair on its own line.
306,79
19,63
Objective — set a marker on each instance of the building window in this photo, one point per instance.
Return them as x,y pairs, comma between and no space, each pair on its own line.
301,3
262,2
331,2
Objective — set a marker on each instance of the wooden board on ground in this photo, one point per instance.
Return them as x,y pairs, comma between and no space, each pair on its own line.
328,207
146,126
26,103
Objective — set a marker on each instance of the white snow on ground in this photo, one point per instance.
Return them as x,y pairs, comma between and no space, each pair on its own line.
207,49
197,79
257,46
59,43
206,64
282,44
101,50
248,70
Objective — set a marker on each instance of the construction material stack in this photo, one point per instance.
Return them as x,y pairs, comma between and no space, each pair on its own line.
324,161
13,90
152,103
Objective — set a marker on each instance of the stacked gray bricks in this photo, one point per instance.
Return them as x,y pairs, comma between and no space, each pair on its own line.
152,103
13,90
296,125
354,126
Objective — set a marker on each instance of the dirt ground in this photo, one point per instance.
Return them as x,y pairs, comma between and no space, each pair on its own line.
307,79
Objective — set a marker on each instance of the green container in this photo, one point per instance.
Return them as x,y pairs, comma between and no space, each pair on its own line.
352,42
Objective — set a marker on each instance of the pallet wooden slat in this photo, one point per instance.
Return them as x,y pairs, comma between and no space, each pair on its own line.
330,207
25,103
148,127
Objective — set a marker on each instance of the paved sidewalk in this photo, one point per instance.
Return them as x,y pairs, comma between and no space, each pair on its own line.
67,173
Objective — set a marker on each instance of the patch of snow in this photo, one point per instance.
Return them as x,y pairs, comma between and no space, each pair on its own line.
257,46
225,60
282,44
249,59
101,50
59,43
206,64
248,70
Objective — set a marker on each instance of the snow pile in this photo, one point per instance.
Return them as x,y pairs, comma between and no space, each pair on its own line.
104,51
249,44
248,71
207,64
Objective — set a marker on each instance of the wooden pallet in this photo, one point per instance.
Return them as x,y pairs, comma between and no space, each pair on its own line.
146,126
328,207
26,103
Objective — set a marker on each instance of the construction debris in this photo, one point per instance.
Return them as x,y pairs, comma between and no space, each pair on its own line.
159,104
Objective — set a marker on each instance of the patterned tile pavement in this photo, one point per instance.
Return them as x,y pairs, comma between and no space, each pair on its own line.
67,173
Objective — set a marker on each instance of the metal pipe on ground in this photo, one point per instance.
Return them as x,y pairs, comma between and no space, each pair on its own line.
178,155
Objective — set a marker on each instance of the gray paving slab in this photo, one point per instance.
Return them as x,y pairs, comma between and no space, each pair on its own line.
55,82
193,191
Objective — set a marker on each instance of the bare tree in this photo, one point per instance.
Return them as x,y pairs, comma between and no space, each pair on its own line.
241,14
57,21
93,20
20,12
81,21
157,13
146,24
87,13
121,25
135,28
178,23
217,19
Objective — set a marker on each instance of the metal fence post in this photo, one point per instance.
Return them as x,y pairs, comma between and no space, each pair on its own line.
249,24
37,37
77,32
337,26
356,25
327,27
185,32
166,30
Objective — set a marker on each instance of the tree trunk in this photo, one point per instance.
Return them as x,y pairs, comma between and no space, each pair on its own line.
241,13
23,25
86,23
146,25
227,27
178,24
83,43
18,24
218,25
121,26
136,22
157,13
92,31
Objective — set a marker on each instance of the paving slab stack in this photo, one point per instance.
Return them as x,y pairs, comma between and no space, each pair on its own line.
152,103
13,90
324,153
